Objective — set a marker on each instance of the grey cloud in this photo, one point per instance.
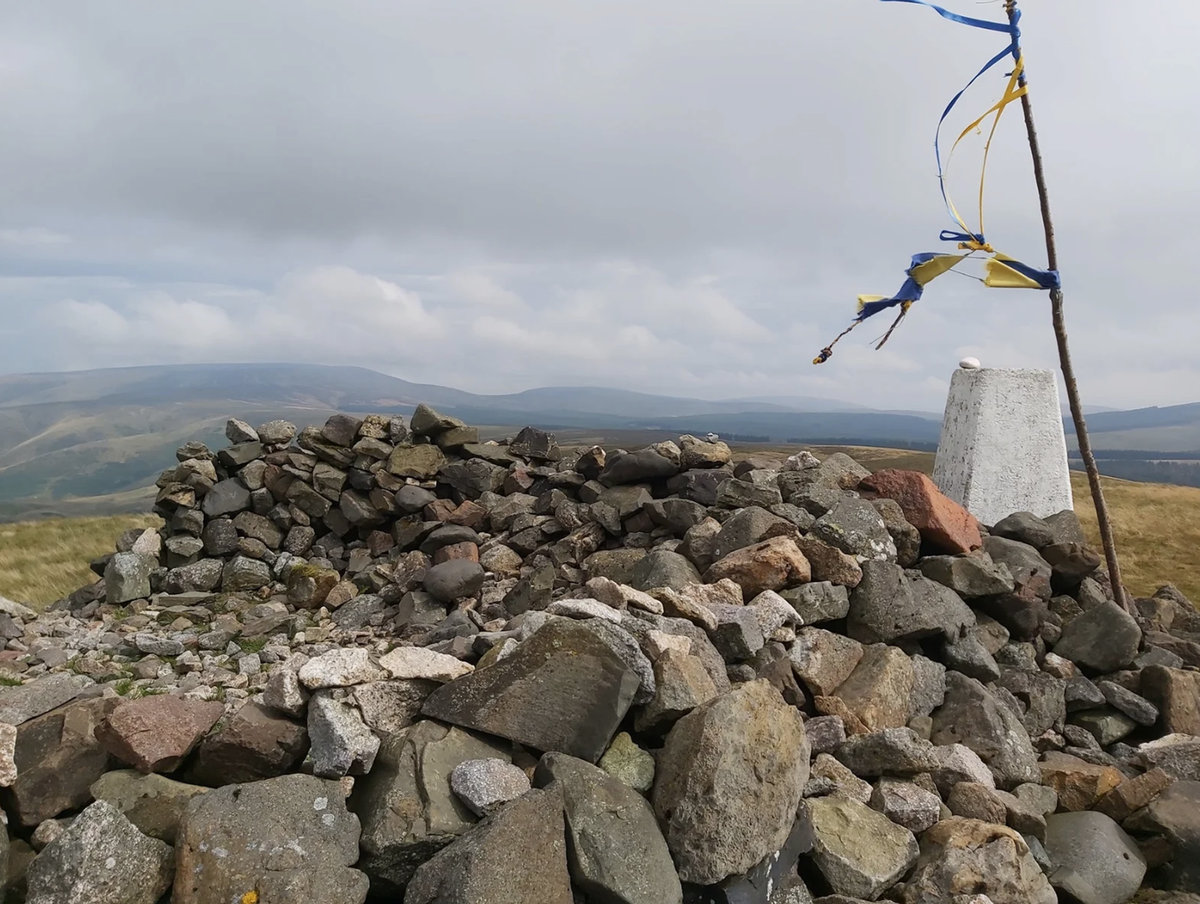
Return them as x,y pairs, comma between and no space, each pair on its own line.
711,182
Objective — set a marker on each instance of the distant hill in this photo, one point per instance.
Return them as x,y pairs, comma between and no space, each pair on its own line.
93,442
1175,428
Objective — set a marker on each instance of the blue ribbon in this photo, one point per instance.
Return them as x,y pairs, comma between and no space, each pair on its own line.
965,20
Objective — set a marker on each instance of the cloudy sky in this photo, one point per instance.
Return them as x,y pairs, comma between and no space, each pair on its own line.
678,196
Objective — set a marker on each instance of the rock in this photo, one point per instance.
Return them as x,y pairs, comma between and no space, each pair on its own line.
154,804
277,433
879,690
830,564
965,856
389,707
737,635
773,880
226,497
341,742
696,453
339,668
888,605
1025,527
516,857
770,565
200,576
974,801
628,763
818,602
1177,695
28,701
968,655
1136,707
615,851
859,851
243,574
1079,784
854,527
632,467
772,612
746,527
57,758
970,576
101,859
562,689
254,744
698,485
1133,794
407,806
535,444
906,804
944,524
454,580
302,854
845,783
676,515
1177,755
1104,638
824,660
682,684
929,686
1175,816
154,734
736,494
127,578
662,568
1042,696
974,717
906,537
730,777
1072,562
421,462
1095,862
415,662
487,785
284,693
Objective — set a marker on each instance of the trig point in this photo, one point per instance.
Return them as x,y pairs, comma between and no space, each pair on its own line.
1002,447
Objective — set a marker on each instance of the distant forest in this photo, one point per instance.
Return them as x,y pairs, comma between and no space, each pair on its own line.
1183,470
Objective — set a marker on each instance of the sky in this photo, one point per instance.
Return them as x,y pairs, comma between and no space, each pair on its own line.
674,196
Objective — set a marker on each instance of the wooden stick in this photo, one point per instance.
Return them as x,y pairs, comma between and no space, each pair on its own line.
1064,355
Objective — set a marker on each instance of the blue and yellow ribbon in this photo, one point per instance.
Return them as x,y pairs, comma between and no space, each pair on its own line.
1001,271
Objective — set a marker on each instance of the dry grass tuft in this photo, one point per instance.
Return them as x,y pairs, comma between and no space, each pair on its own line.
1157,530
43,561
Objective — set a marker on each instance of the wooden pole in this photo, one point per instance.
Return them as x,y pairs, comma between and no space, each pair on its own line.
1064,354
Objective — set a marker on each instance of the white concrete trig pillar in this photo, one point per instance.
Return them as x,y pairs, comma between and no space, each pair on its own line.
1002,447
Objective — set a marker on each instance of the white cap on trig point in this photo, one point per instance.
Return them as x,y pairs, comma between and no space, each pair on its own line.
969,364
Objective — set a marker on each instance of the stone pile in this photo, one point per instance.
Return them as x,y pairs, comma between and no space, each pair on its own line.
385,661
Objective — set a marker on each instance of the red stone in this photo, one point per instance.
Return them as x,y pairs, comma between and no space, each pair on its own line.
379,542
439,510
943,523
154,734
465,550
469,514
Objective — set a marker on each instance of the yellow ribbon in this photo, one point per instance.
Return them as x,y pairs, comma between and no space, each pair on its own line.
1014,91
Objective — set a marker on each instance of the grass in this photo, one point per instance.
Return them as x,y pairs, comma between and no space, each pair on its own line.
1156,528
44,561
